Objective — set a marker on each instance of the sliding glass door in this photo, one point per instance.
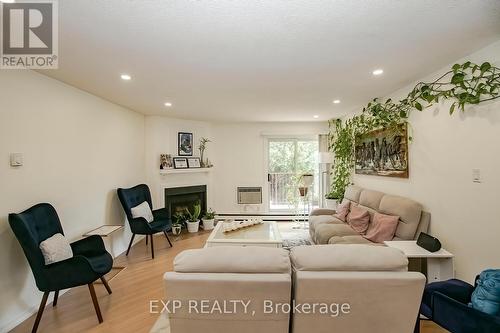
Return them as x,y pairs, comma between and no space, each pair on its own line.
289,159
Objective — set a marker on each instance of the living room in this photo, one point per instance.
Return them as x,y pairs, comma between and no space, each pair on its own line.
255,110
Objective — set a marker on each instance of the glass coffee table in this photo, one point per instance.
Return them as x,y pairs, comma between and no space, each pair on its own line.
266,234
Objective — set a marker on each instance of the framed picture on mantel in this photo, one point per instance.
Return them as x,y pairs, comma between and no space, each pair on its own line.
185,144
194,162
180,163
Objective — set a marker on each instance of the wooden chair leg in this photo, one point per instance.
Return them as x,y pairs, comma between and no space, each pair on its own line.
40,311
152,248
169,242
56,296
130,244
106,285
96,303
147,237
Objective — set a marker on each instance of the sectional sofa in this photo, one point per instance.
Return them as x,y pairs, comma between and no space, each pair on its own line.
354,288
325,228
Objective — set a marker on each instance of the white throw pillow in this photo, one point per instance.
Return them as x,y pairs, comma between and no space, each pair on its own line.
142,210
56,248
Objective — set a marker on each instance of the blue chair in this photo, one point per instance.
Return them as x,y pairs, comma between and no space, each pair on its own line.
446,303
134,196
89,263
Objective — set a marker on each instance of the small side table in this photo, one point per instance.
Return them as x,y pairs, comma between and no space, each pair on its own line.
439,264
105,231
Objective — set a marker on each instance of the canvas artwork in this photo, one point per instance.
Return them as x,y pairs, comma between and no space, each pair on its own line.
383,153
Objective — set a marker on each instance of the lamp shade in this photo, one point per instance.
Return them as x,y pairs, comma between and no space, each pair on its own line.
325,158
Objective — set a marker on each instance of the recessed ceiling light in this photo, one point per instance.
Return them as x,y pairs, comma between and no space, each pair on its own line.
379,71
168,104
315,116
336,101
126,77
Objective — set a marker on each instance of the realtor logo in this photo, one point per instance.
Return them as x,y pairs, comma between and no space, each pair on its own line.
29,34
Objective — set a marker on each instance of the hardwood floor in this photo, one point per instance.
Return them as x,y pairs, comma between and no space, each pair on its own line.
127,308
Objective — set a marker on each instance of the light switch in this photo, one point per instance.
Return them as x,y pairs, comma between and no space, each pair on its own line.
16,159
476,175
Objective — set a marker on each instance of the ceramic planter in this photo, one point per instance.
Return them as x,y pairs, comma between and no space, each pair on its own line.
176,230
193,226
208,224
331,203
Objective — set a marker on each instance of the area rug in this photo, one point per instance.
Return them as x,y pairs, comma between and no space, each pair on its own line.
293,237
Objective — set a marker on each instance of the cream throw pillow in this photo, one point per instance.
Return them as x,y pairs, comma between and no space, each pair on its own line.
143,210
56,248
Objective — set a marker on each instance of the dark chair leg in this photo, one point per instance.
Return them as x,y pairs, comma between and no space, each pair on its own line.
417,325
169,242
56,296
130,244
106,285
152,247
96,304
147,237
40,311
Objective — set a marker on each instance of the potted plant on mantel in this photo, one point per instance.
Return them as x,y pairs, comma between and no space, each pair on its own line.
209,219
193,222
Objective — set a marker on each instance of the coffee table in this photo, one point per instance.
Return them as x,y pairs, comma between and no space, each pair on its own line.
266,234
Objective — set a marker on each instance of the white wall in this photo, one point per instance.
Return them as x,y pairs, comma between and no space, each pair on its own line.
77,150
465,215
240,159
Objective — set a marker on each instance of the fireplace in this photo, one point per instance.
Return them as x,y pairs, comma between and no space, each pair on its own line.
178,199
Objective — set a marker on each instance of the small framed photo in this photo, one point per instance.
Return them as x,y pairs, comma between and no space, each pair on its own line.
180,163
185,144
166,161
194,162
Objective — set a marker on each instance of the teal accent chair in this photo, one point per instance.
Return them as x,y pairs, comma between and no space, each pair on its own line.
90,261
131,197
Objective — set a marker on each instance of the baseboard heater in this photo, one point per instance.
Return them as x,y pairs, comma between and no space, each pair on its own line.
249,195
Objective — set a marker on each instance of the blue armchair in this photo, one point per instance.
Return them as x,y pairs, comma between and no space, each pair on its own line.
134,196
446,303
89,263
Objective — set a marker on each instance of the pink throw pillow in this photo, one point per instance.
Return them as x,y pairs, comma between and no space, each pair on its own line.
342,210
358,219
382,228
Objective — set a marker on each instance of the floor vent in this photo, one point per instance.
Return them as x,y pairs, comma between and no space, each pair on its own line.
249,195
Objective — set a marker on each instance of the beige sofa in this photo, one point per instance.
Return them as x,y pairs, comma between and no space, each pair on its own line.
382,296
324,228
221,275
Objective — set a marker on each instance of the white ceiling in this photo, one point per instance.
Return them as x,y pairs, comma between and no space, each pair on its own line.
275,60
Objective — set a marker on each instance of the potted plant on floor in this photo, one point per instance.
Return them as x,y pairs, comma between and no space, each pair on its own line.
193,222
177,219
209,219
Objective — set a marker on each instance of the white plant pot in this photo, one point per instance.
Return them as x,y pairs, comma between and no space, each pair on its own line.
331,203
208,224
193,226
176,230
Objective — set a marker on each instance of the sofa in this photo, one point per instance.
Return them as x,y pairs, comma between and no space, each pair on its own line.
224,274
382,295
325,228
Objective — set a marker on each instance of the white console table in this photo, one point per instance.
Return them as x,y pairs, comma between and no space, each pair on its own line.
439,263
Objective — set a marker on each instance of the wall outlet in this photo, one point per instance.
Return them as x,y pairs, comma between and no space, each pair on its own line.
476,175
16,159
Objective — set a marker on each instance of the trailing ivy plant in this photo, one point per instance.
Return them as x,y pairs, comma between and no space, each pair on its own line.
464,84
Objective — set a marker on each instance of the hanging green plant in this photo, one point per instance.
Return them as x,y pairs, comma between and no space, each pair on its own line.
465,84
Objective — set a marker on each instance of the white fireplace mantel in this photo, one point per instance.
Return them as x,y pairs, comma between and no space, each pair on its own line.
192,170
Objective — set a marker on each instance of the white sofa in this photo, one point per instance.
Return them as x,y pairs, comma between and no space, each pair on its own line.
223,274
383,297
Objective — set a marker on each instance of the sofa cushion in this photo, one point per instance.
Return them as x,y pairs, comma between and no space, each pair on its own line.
409,213
352,193
351,239
370,199
358,219
142,210
343,257
55,249
324,232
343,210
382,228
233,259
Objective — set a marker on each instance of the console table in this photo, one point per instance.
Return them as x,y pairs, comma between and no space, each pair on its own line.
439,264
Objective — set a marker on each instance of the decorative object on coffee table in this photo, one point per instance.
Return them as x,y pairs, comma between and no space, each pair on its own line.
235,226
265,234
194,162
185,144
180,163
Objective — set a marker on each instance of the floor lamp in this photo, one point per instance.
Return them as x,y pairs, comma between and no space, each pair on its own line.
325,160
